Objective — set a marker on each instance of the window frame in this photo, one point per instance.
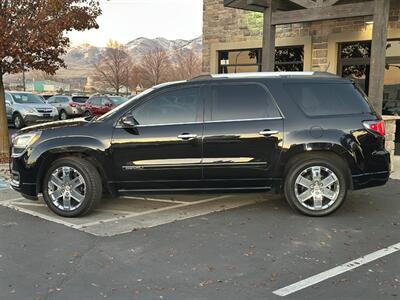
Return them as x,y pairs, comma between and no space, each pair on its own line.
209,103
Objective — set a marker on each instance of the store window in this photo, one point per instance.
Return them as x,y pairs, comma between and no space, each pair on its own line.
249,60
354,61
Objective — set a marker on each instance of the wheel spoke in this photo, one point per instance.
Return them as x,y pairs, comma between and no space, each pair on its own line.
328,181
304,182
77,196
77,181
316,173
67,201
56,181
305,196
317,201
328,193
65,174
56,194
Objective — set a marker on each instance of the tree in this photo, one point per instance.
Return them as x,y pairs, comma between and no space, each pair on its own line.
114,68
188,65
154,67
32,37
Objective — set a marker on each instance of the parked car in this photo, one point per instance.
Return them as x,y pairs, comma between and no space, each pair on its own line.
311,136
100,104
68,106
26,109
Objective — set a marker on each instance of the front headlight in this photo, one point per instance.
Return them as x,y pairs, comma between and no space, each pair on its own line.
22,142
30,110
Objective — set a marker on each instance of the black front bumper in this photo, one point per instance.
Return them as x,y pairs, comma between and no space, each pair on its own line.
23,180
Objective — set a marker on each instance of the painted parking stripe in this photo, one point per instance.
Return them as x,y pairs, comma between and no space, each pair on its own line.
295,287
154,199
153,211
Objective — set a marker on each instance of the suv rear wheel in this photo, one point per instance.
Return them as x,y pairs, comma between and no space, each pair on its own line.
316,186
72,187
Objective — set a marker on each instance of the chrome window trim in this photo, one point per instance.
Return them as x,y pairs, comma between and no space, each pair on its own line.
205,122
244,120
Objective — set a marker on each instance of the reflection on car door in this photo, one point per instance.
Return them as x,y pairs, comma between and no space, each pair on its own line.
164,150
243,134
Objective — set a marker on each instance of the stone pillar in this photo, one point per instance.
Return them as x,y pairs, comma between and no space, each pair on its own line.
390,129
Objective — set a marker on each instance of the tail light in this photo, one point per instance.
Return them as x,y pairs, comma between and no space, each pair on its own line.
72,104
375,126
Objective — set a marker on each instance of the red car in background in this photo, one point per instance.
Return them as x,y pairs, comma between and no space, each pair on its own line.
98,105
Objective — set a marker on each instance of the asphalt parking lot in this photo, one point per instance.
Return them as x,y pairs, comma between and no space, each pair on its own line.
206,246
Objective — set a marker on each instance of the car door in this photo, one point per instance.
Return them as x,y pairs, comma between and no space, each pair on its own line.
164,150
106,105
243,135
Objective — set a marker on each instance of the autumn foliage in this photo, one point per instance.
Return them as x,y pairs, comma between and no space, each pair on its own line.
33,37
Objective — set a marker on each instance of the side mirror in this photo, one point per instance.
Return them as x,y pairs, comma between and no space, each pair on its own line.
128,121
8,103
109,104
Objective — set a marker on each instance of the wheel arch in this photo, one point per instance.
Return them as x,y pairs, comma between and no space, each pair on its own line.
297,152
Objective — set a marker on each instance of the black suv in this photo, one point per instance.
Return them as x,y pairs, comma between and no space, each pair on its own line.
311,136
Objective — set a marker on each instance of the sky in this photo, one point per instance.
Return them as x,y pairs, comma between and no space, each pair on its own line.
125,20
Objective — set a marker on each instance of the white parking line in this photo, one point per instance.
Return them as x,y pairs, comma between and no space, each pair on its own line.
152,211
43,216
3,189
154,199
295,287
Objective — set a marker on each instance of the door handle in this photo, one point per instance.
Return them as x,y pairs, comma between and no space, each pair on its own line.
187,136
268,132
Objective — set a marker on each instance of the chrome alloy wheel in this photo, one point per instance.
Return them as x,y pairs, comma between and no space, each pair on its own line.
317,188
66,188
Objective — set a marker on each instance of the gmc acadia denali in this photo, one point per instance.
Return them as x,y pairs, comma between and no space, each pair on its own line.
312,136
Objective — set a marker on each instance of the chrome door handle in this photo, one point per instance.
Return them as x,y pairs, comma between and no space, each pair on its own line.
187,136
268,132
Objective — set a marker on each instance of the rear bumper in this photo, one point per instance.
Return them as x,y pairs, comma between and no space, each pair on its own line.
378,172
368,180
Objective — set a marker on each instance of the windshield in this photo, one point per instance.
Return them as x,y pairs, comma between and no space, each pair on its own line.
117,100
126,103
23,98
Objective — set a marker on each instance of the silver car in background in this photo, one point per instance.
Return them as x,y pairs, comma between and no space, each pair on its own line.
27,109
68,106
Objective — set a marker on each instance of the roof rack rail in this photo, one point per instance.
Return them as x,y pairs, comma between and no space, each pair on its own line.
201,77
262,74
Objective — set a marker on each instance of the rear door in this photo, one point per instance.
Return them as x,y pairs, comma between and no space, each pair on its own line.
243,136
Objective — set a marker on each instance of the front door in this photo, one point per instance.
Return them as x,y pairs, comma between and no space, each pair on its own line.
243,134
164,150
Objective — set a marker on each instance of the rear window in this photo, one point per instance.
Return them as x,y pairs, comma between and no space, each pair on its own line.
80,99
316,99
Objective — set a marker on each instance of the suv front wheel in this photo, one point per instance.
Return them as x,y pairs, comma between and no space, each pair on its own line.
72,187
316,186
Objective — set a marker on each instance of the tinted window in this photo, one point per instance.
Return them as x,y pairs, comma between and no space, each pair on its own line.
62,100
247,101
180,106
79,99
95,101
117,100
317,99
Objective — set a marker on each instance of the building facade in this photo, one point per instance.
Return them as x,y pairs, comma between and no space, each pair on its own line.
232,42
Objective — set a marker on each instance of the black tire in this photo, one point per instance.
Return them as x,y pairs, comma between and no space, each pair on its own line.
18,121
300,165
87,114
63,115
93,183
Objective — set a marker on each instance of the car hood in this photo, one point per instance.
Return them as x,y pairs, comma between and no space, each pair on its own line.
56,124
36,105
